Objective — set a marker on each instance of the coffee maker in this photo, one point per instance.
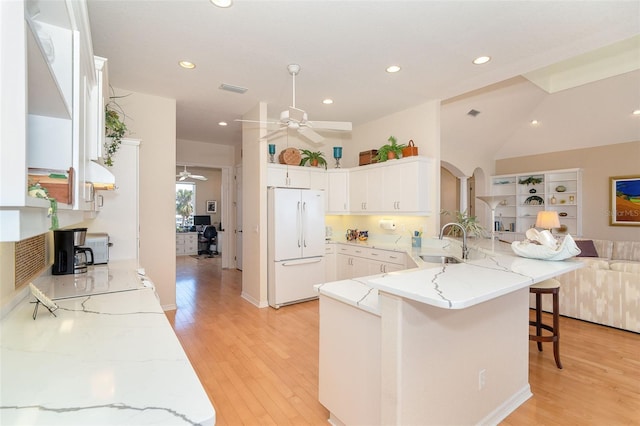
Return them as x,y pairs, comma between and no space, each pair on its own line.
69,256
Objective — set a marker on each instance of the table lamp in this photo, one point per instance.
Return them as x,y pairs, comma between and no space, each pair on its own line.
548,220
337,154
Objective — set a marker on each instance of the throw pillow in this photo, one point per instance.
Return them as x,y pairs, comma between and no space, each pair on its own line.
587,248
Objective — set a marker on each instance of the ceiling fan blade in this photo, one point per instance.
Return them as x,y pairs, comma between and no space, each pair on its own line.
331,125
310,134
198,177
256,121
182,178
273,133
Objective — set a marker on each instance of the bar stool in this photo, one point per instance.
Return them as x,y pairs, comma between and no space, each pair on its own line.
550,286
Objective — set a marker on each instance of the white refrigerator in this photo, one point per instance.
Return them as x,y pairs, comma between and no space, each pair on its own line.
295,244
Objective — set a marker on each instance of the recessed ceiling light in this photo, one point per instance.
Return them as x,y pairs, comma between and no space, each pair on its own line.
636,112
222,123
186,64
393,68
481,60
534,122
327,101
222,3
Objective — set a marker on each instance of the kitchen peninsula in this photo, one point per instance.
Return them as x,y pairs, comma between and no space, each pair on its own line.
440,344
108,356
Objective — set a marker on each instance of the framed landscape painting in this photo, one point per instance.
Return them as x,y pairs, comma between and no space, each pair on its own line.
212,206
625,200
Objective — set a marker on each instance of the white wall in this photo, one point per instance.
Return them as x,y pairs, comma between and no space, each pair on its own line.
152,119
254,210
420,124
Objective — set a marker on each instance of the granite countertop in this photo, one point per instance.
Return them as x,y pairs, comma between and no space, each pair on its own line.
109,359
492,270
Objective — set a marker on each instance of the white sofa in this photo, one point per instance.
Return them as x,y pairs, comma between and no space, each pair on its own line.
607,290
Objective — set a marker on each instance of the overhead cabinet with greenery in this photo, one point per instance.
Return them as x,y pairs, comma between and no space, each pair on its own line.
48,78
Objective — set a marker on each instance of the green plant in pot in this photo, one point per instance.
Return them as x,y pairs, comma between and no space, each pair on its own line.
469,223
390,151
314,158
115,130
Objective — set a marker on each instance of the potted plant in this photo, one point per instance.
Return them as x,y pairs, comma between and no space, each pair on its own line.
469,223
115,129
390,151
315,159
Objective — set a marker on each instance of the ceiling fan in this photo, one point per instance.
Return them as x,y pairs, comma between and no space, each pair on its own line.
297,119
188,175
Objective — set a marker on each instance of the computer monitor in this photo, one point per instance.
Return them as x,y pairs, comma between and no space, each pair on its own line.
200,221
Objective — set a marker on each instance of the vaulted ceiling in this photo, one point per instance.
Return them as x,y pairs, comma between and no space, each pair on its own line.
344,48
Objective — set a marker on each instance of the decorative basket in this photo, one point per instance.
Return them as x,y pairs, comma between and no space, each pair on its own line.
410,150
290,156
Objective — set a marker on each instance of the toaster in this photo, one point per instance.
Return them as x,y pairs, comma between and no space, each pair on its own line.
99,244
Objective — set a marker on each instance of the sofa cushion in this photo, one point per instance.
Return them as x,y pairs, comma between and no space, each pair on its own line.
587,248
632,267
596,263
626,250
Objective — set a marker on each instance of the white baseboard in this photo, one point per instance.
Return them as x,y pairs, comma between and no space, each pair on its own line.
507,407
253,301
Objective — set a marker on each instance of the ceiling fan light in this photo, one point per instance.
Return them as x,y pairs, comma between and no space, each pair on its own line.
222,3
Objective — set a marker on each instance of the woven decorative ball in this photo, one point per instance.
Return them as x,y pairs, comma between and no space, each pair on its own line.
290,156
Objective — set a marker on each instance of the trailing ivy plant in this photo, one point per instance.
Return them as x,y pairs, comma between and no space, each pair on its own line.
115,129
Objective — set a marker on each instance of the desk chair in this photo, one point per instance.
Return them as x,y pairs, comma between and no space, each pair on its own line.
209,236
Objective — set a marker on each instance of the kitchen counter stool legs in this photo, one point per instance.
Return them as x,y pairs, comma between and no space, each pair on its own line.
551,286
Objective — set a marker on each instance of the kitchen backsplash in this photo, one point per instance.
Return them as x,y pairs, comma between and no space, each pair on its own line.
30,259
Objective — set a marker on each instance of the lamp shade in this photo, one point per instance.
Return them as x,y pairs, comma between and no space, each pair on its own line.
547,220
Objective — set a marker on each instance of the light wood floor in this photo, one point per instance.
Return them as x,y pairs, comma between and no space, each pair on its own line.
260,366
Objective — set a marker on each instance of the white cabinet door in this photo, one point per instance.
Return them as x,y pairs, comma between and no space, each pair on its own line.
330,271
288,176
344,269
405,187
338,192
358,191
365,193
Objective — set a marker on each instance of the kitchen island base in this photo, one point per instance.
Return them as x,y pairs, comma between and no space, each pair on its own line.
436,366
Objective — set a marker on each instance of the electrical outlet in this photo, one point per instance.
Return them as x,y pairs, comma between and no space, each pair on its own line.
482,379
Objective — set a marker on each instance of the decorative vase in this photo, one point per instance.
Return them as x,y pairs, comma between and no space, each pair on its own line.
391,155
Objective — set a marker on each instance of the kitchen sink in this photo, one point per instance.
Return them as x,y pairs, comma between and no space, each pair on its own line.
439,259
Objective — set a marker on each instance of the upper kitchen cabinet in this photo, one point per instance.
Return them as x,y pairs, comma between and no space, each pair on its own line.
395,186
48,112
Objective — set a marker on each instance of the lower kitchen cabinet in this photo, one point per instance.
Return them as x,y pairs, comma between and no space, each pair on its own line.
353,261
186,243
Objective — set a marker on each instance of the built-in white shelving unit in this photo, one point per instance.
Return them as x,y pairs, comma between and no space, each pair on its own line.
525,194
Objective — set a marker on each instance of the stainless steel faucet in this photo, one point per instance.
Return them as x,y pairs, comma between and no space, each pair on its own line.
465,249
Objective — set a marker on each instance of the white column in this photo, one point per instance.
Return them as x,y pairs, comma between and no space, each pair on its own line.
464,202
